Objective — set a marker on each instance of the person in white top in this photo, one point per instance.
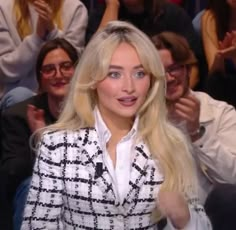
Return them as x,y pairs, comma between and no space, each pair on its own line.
113,160
210,125
25,25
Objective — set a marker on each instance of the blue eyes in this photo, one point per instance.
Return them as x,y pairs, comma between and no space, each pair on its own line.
114,74
117,74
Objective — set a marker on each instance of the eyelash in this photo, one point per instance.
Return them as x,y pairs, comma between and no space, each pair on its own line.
136,74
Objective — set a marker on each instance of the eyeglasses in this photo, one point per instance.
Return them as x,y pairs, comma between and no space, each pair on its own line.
66,69
176,70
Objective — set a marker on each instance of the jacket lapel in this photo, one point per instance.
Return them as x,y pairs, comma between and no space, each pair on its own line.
92,158
138,172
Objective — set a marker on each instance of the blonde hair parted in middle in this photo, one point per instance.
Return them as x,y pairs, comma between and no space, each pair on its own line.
166,143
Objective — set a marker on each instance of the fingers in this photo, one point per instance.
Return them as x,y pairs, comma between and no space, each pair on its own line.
34,114
43,9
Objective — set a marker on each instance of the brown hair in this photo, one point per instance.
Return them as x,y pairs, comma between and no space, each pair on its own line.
177,45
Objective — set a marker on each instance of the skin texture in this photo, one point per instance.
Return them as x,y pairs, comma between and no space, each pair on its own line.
124,90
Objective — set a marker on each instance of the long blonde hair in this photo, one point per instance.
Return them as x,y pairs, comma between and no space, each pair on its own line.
166,143
22,14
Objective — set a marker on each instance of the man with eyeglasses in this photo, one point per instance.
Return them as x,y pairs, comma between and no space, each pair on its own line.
54,70
209,124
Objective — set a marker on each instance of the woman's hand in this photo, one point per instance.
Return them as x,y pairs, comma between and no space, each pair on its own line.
35,118
174,206
45,18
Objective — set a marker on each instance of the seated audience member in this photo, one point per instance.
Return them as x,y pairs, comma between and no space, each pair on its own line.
54,69
219,41
152,17
24,26
106,164
209,124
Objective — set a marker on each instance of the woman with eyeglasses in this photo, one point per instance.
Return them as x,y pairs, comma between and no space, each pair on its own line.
54,69
25,25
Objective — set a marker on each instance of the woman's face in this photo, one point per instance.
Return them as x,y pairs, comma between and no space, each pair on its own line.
56,72
125,88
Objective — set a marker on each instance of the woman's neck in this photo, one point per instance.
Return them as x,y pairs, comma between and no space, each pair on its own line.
118,126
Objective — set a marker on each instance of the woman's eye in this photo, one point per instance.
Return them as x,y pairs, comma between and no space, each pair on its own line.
114,74
140,74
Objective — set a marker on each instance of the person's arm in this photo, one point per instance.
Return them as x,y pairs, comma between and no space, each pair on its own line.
215,60
44,202
15,57
17,159
75,20
111,12
216,149
182,213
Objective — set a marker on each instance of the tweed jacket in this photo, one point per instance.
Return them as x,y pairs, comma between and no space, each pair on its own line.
68,192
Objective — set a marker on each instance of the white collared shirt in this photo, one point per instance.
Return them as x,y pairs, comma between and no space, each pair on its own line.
121,173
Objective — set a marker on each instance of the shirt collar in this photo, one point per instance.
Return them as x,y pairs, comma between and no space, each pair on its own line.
104,133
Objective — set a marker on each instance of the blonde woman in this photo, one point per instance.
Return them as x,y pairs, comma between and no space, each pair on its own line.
24,26
113,161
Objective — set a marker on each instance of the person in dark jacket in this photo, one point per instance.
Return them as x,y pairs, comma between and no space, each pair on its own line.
54,69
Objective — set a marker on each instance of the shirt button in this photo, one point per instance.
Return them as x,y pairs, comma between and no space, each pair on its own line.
120,217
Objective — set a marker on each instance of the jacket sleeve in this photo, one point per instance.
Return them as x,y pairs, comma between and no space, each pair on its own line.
198,219
76,18
44,203
13,58
216,150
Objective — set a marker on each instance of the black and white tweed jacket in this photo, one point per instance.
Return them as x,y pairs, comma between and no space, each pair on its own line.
68,193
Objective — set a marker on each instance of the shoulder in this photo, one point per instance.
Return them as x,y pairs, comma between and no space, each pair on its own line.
6,5
74,4
69,137
208,102
19,109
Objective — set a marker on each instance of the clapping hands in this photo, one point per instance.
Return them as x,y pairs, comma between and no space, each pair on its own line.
45,18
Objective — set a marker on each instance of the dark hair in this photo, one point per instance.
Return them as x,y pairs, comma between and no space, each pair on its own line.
177,45
152,8
221,12
52,45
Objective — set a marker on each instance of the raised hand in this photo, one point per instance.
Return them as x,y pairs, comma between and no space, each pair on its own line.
173,206
186,109
45,18
35,118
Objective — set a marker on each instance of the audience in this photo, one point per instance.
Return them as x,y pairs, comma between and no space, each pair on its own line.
209,124
219,41
82,176
152,17
54,68
24,26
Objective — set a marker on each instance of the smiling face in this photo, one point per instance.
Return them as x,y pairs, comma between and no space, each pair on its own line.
56,72
176,77
124,89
